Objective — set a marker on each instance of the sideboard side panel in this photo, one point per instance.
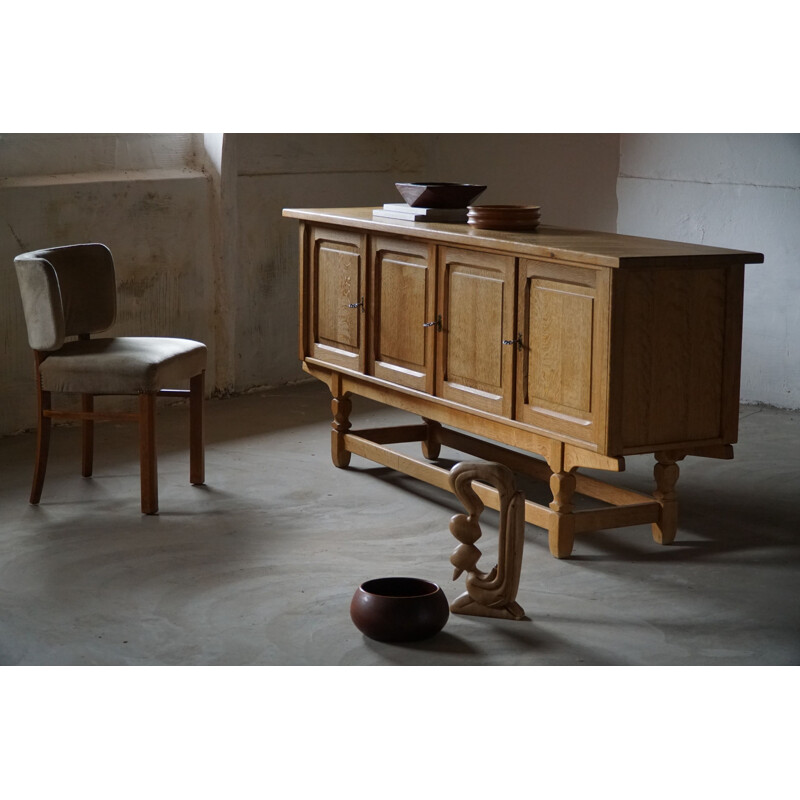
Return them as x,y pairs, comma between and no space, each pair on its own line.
733,353
674,324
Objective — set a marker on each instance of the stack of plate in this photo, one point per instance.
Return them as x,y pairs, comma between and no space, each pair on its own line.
504,218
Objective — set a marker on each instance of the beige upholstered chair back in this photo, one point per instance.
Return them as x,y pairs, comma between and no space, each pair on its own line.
66,291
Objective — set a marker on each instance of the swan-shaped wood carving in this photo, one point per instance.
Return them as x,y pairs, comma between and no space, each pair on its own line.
489,594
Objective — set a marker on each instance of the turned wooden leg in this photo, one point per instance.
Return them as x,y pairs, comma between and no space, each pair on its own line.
561,529
666,473
197,458
431,446
42,445
147,453
87,437
341,406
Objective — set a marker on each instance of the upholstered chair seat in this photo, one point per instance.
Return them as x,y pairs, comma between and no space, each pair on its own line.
69,294
124,365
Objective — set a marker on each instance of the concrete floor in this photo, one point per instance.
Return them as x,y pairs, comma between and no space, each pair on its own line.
258,567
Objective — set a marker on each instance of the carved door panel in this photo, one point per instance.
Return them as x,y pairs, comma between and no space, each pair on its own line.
336,314
403,312
562,384
474,366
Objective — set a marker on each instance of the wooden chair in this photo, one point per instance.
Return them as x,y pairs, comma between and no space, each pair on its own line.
71,292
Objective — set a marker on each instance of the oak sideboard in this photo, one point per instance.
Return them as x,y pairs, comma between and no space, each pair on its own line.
549,352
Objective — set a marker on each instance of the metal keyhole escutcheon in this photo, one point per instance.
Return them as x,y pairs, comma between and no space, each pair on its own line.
517,341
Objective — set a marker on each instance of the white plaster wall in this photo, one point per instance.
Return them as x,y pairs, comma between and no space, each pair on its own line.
154,219
730,190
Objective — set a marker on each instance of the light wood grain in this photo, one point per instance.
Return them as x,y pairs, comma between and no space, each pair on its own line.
474,366
568,245
674,326
403,305
579,347
562,382
336,280
358,444
341,406
493,593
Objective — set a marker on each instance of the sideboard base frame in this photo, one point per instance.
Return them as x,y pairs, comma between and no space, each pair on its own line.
557,465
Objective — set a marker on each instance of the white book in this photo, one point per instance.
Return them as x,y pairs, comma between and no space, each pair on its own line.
404,211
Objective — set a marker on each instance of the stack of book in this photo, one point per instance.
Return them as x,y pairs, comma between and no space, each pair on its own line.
414,214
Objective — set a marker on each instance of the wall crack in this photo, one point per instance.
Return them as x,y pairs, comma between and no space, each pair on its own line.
709,183
16,238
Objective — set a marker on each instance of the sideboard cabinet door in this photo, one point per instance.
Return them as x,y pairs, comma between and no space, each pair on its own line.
474,366
336,313
403,311
562,381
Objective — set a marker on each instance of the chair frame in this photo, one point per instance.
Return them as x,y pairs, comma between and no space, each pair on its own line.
145,417
55,279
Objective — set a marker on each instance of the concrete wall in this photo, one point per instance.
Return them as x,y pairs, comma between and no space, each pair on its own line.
145,197
573,178
730,190
277,171
194,221
201,248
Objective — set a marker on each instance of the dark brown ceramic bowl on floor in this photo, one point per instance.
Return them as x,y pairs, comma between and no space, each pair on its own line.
399,609
439,195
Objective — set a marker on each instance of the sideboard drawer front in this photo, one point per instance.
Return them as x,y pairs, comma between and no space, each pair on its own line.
562,377
337,316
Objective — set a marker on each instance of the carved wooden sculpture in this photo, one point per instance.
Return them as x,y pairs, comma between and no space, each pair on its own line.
491,594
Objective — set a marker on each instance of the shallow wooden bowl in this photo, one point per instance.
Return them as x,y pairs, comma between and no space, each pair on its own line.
439,195
399,609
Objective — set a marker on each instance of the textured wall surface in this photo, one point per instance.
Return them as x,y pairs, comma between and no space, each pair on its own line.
156,222
202,250
573,178
278,171
730,190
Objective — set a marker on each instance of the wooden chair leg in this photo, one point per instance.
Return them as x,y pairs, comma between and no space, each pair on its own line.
147,453
42,445
87,437
197,458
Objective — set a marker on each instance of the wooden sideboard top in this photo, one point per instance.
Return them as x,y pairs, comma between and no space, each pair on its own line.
565,244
